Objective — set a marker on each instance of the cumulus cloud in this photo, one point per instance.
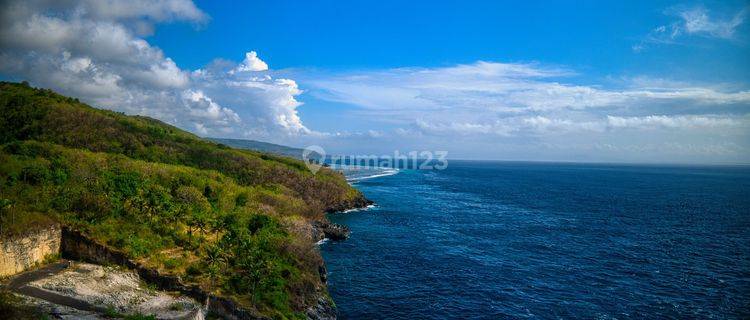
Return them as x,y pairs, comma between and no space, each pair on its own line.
251,63
203,107
270,103
95,50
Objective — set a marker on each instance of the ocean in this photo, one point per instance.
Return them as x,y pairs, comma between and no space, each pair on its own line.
494,240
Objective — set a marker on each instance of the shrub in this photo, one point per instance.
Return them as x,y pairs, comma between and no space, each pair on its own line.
172,263
35,173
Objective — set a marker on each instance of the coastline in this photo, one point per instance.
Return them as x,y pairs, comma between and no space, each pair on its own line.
325,308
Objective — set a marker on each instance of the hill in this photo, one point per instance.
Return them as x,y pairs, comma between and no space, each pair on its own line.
235,222
261,147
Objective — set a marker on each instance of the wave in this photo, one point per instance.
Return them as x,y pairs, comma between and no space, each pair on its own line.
355,173
359,209
384,173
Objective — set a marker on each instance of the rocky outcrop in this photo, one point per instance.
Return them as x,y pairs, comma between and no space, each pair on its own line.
355,203
21,252
323,310
325,229
333,231
322,229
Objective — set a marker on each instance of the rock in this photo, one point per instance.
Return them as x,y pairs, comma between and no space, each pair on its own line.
21,252
356,203
323,272
323,310
95,288
331,230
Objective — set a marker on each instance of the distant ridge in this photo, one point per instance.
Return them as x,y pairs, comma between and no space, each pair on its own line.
261,146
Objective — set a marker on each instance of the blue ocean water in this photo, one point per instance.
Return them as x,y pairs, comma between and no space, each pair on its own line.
490,240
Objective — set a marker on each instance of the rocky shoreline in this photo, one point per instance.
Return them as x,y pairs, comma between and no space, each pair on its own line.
324,229
356,203
325,308
329,230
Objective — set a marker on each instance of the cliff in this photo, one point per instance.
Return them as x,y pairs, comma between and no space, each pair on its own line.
22,251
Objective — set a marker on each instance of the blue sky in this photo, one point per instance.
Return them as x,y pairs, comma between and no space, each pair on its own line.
634,81
592,36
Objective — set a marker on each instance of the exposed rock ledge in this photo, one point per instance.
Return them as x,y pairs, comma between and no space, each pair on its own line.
326,229
356,203
323,310
330,230
21,252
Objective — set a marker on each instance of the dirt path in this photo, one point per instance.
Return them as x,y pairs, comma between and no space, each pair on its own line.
19,285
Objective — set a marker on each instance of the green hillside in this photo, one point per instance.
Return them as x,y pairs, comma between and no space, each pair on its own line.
230,220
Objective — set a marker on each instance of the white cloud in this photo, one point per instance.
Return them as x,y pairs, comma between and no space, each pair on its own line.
202,107
479,92
94,50
693,21
525,126
697,21
493,106
271,102
165,10
251,63
679,122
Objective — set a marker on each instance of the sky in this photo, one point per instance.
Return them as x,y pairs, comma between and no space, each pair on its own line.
588,81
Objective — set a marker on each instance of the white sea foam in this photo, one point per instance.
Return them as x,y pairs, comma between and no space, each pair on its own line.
356,173
383,173
321,241
359,209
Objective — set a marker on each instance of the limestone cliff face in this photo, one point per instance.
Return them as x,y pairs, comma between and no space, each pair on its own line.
18,253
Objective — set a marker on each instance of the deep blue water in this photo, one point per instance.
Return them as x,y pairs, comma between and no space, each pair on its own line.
489,240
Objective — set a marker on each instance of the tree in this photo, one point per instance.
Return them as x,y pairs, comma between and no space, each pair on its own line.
193,208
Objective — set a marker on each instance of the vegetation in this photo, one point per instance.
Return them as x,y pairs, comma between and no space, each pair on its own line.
112,313
219,217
